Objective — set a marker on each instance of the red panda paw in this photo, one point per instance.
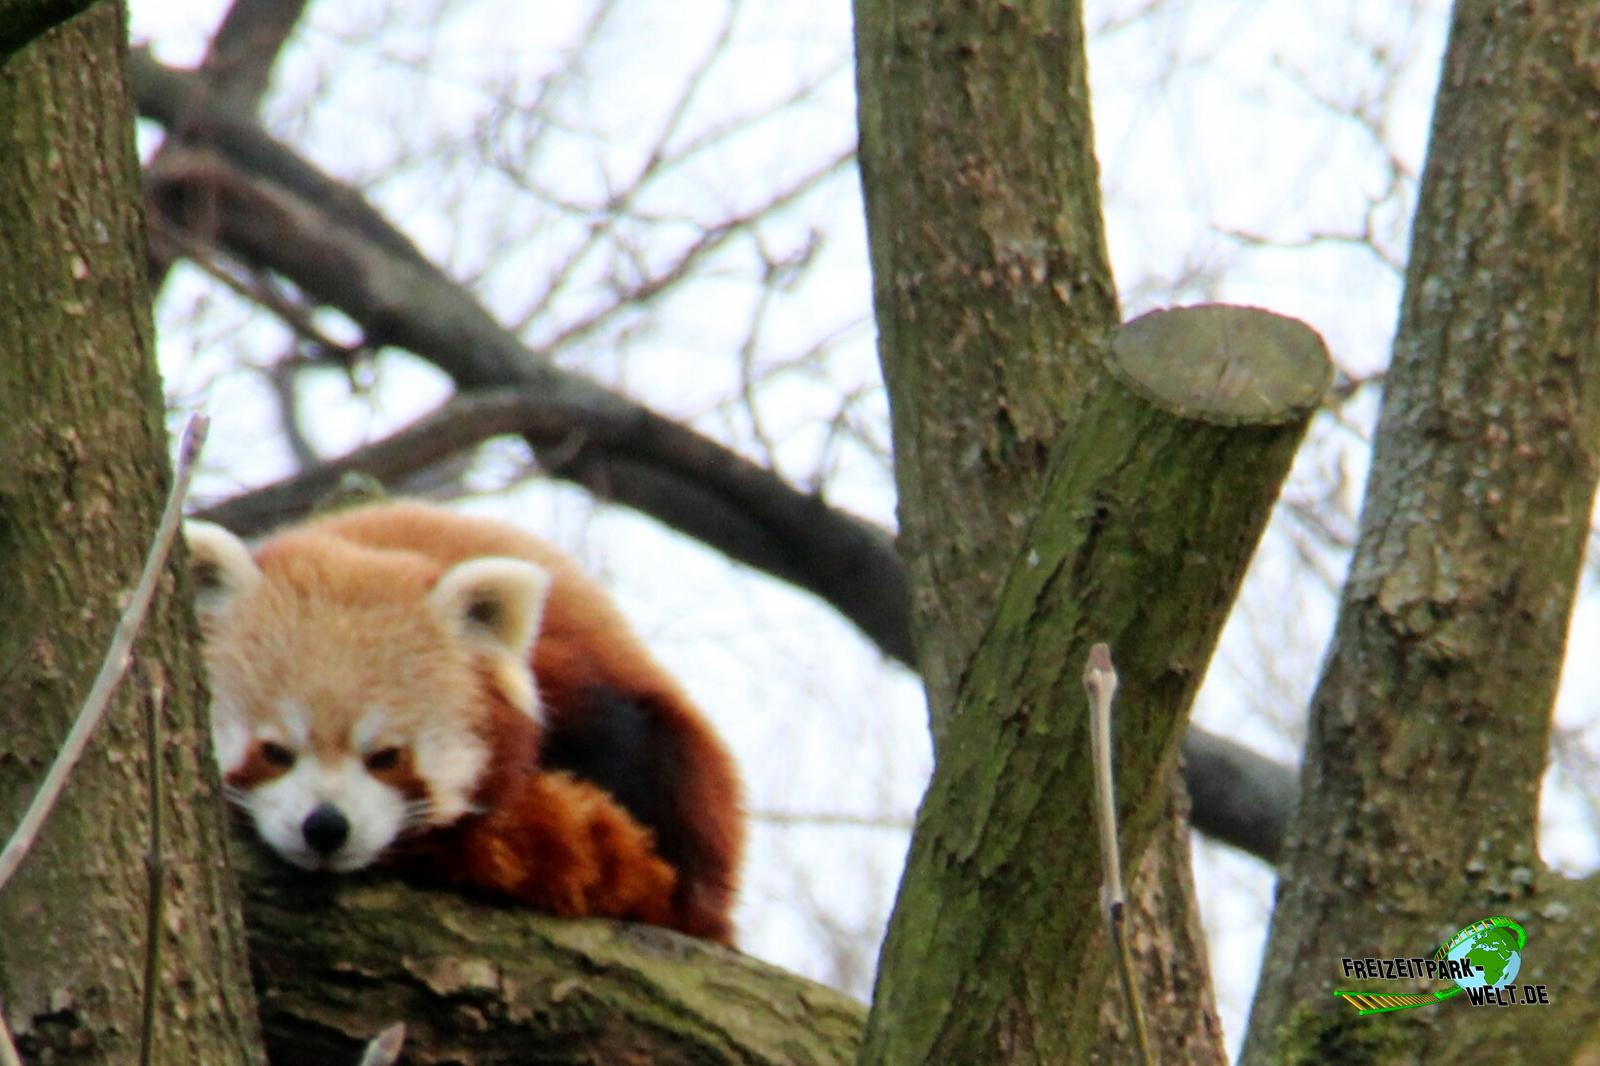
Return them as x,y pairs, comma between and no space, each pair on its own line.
563,846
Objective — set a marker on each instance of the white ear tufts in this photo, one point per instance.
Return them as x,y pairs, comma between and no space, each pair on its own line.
494,601
222,565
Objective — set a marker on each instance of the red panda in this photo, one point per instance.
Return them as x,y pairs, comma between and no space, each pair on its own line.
449,696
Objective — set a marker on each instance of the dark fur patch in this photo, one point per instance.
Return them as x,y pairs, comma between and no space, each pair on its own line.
256,769
620,744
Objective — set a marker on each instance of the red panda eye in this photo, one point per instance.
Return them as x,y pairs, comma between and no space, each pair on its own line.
276,754
383,759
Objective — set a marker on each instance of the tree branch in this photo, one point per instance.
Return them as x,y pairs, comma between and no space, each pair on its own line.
245,48
480,983
234,74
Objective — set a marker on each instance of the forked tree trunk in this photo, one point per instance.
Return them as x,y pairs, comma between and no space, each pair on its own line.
1142,532
994,301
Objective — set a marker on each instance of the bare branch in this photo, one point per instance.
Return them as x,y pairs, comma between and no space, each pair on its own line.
235,73
833,820
246,46
1238,795
155,866
697,251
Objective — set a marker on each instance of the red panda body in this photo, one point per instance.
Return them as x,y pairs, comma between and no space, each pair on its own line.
450,696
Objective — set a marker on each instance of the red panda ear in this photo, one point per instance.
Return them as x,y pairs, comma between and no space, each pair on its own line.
222,567
495,602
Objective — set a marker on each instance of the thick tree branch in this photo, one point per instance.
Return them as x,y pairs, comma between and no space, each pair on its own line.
245,48
338,959
234,74
1238,796
850,563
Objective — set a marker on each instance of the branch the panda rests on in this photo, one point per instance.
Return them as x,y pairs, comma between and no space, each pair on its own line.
401,685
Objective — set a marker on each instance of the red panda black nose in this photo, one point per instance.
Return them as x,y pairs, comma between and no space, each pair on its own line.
325,829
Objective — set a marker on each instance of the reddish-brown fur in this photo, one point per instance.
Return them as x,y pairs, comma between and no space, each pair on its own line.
546,838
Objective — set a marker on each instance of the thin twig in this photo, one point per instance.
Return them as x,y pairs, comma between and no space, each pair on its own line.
1100,682
116,661
155,868
384,1049
8,1047
832,819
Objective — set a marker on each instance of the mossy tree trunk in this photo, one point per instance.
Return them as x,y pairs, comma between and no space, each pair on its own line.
1430,727
81,485
1141,534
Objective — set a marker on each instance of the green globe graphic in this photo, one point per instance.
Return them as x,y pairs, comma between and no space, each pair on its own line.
1492,950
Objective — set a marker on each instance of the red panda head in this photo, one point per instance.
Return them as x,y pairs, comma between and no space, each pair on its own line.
348,684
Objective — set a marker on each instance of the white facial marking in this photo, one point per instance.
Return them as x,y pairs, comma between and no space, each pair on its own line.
296,722
451,762
375,811
366,732
230,735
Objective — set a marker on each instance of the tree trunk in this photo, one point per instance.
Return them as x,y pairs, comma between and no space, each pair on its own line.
1430,726
990,284
80,490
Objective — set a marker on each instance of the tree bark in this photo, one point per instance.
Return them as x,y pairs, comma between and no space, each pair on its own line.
338,959
23,20
990,284
1142,533
80,491
1430,725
